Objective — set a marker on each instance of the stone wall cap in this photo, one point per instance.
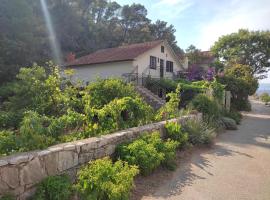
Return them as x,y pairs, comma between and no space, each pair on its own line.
55,149
69,147
3,163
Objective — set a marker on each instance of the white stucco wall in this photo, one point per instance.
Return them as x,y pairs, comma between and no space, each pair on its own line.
89,73
143,62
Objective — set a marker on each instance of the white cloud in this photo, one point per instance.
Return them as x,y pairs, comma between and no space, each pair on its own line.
249,14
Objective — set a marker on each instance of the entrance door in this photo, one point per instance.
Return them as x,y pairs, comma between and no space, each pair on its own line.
161,68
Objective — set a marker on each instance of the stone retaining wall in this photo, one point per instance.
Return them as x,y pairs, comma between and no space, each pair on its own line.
20,173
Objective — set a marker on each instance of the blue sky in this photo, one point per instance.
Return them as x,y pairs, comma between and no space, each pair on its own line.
201,22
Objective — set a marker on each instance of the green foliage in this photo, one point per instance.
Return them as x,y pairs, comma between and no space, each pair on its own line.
171,108
7,142
105,180
33,133
246,47
118,114
199,133
24,37
54,188
239,80
265,98
207,106
103,92
175,132
149,152
44,108
142,154
7,197
168,148
218,90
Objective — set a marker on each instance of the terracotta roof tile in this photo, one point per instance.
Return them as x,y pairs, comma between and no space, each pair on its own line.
122,53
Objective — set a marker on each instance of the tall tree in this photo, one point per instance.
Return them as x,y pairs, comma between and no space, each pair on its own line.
161,30
250,48
193,54
21,38
134,23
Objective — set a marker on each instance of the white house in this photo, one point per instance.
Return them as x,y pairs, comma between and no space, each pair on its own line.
155,58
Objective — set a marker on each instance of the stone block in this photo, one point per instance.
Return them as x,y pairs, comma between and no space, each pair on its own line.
32,173
50,162
3,163
85,157
67,160
10,176
18,159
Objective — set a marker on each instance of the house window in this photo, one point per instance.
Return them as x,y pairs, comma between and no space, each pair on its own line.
169,66
162,49
153,62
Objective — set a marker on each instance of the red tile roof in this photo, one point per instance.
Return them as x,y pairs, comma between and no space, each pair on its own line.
122,53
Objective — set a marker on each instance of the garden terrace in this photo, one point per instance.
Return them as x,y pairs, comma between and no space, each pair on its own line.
21,172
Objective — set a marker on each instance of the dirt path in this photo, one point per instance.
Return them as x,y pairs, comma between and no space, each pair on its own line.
237,167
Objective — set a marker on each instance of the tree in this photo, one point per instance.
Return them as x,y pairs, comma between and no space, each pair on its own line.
81,27
193,54
21,39
239,80
160,30
134,23
250,48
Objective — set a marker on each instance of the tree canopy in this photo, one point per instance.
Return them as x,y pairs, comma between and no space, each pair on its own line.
81,26
245,47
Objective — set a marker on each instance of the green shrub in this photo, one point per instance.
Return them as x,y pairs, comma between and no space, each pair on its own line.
7,197
103,180
118,114
149,152
7,142
168,148
102,92
174,131
33,134
207,106
265,97
199,132
54,188
171,108
241,104
72,121
140,153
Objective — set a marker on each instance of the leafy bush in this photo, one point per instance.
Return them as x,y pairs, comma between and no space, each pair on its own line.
240,81
102,92
118,114
265,98
199,132
149,152
168,148
7,197
207,106
142,154
175,132
240,104
7,142
33,134
103,180
170,109
54,188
